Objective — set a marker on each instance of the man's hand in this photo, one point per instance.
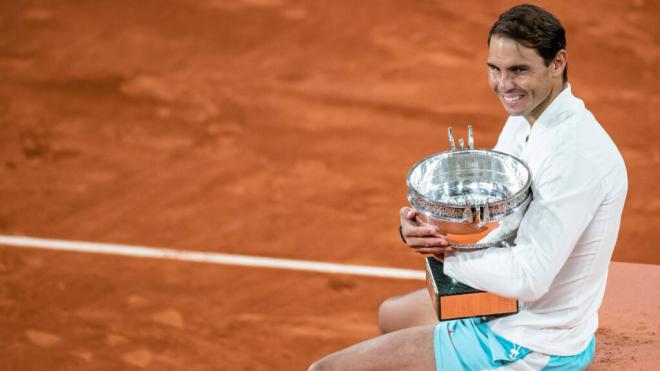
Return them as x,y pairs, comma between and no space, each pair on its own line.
421,237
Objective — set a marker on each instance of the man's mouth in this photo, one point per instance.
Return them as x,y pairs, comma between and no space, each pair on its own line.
512,98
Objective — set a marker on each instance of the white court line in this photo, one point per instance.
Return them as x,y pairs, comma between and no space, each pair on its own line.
209,257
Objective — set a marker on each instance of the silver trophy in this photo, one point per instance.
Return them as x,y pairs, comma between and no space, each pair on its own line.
476,197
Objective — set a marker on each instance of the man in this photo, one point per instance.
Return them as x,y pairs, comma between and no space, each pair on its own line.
557,267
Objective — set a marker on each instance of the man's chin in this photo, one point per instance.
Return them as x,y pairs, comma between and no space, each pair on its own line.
512,111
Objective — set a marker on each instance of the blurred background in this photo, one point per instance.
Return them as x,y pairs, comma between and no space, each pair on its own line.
281,128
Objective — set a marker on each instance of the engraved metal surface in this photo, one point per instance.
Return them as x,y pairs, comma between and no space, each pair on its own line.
471,193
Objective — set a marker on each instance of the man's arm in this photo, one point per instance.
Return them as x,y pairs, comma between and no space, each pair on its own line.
566,197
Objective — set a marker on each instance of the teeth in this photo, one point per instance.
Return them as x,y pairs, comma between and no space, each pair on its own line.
512,99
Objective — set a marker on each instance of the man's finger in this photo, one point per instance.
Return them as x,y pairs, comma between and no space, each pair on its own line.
408,213
421,231
432,250
416,242
411,214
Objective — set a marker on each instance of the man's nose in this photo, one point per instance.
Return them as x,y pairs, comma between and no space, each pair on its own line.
505,82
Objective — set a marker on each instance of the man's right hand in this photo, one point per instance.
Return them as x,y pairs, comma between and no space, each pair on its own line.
422,237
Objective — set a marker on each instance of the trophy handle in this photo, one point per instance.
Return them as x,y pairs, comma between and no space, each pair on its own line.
461,145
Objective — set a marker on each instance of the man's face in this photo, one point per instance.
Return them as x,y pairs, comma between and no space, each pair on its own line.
519,77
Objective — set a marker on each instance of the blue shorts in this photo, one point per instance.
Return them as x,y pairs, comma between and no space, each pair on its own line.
469,344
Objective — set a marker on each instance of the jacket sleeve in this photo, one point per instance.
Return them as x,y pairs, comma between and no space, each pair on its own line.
566,195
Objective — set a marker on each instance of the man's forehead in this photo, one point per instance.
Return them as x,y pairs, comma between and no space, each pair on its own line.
504,50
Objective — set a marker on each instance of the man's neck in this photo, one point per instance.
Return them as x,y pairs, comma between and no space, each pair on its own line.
538,111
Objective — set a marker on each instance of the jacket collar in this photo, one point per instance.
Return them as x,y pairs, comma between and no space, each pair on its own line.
559,109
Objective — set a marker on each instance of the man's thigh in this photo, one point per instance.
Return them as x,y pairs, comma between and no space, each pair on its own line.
406,350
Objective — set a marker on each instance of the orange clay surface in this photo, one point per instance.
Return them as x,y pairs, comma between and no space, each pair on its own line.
275,128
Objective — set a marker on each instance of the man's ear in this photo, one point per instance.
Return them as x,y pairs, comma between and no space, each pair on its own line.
559,63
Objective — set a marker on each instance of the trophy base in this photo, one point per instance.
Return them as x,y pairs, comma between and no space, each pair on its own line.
454,300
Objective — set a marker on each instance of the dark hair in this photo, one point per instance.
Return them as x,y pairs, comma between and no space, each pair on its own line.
535,28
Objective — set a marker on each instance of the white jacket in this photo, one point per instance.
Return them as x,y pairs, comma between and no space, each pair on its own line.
558,266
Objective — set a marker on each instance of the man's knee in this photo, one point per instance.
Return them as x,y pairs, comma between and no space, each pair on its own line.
387,315
316,366
399,312
323,364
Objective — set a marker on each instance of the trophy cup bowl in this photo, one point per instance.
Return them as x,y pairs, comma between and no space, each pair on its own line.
475,197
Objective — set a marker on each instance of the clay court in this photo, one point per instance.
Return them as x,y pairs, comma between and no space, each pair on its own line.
270,128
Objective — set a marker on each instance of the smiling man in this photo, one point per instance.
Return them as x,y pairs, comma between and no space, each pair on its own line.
526,81
557,268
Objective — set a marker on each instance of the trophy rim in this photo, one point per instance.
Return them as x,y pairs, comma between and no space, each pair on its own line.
520,195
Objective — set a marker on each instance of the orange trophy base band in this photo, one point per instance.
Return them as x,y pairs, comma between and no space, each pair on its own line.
474,305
